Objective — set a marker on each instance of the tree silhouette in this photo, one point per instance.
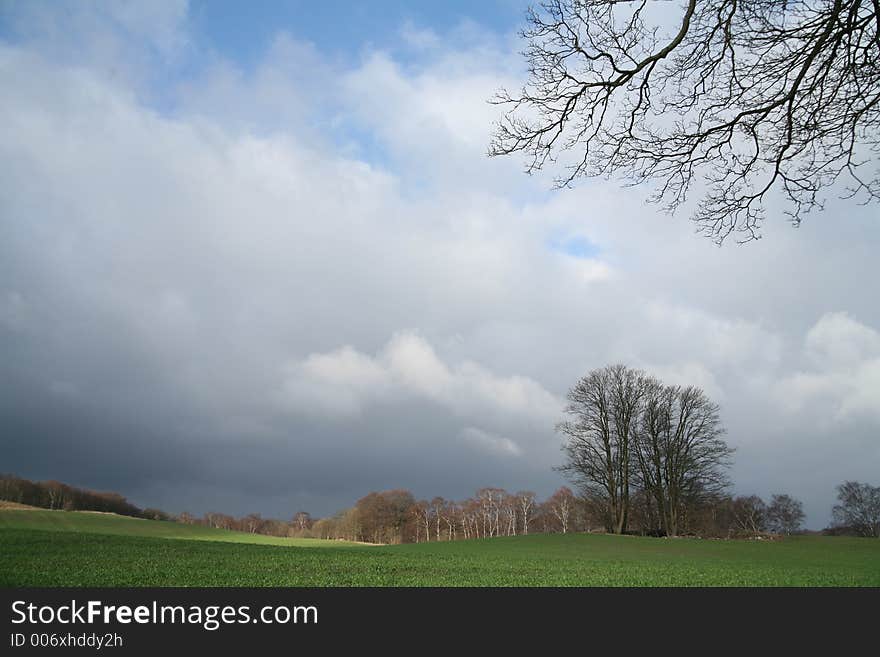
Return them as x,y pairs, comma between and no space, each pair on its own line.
735,99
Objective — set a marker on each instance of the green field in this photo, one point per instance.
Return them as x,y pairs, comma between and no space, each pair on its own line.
110,523
80,549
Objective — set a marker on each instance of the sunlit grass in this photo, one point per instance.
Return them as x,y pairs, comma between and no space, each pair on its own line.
77,554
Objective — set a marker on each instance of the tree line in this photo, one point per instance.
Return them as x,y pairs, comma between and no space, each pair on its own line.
397,516
56,495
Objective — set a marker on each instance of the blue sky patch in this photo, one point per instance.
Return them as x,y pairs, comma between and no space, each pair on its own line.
576,246
241,31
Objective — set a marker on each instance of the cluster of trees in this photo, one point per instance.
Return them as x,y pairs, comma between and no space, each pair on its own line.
642,451
59,496
56,495
649,458
784,514
252,523
396,516
858,510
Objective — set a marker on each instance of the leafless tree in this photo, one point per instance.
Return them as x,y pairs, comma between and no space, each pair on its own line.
562,504
750,514
604,407
526,501
471,513
156,514
252,523
738,97
859,508
418,512
437,506
55,490
451,513
384,517
422,511
679,449
490,500
302,521
785,514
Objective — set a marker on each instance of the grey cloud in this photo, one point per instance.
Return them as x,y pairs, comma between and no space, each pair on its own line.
200,314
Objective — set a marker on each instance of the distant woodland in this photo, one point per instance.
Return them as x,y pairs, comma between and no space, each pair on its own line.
396,516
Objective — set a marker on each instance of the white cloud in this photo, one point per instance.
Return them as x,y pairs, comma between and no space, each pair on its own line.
344,381
589,270
415,366
491,442
419,38
346,367
690,374
844,382
719,340
839,341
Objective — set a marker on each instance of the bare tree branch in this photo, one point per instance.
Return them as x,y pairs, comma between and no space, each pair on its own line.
744,97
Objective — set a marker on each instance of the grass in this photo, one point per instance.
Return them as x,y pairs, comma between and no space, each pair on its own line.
6,504
111,524
69,555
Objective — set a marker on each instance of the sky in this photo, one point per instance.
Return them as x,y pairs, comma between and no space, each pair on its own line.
257,260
